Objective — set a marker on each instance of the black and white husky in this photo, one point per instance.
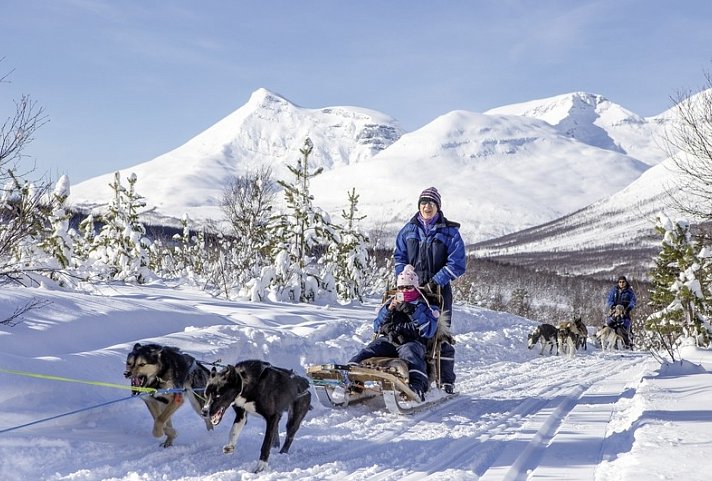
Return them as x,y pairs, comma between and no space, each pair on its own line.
257,387
546,334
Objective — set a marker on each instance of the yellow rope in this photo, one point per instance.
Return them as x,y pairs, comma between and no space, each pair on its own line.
67,379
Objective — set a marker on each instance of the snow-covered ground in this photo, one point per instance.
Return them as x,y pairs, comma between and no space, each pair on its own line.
519,416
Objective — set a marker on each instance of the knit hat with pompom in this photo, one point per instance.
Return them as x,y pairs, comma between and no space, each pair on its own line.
430,194
408,277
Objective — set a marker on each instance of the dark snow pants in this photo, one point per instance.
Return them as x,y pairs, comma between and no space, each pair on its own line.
413,353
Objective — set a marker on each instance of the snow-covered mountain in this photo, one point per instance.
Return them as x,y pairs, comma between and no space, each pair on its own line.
595,120
622,225
497,173
267,130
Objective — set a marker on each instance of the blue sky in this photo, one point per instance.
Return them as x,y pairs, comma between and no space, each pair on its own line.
124,81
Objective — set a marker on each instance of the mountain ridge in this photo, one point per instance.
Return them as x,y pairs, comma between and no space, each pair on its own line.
497,173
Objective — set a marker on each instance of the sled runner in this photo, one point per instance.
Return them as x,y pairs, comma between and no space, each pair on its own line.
339,385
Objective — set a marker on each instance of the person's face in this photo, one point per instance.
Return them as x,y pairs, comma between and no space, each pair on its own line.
621,284
428,209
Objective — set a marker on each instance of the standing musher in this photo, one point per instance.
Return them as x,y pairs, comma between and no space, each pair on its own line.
433,246
622,294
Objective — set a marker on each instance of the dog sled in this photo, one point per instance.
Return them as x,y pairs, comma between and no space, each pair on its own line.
342,385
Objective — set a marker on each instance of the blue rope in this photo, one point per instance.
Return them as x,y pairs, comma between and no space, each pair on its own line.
65,414
163,391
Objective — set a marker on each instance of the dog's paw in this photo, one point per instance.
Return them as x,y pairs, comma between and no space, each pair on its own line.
261,466
167,443
157,430
228,449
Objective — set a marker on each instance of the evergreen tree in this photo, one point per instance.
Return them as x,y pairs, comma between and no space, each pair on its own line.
121,247
188,255
350,256
85,238
57,241
302,236
678,293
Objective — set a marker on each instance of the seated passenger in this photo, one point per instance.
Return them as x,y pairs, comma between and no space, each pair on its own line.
403,325
617,320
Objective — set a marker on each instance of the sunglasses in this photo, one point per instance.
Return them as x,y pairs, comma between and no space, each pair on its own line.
406,288
427,202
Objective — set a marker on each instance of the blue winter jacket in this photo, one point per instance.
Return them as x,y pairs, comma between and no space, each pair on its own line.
624,297
422,316
438,255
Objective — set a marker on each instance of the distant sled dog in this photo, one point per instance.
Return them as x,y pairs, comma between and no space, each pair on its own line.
568,338
546,335
258,387
610,338
165,368
582,334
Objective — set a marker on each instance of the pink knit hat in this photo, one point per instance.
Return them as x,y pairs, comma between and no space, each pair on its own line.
408,277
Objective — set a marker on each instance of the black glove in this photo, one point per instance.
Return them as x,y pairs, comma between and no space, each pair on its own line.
406,308
432,287
387,328
406,332
627,311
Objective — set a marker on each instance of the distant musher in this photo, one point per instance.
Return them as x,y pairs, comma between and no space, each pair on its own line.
621,294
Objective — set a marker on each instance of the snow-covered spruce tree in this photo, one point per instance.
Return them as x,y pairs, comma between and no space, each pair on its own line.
302,236
65,248
350,256
678,293
57,241
121,248
85,238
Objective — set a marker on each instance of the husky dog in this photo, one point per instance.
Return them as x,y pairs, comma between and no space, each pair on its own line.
568,338
581,333
166,368
546,334
609,338
257,387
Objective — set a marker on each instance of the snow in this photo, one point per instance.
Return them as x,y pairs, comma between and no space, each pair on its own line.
519,416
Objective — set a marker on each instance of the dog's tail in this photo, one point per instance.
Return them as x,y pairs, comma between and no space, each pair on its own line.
444,331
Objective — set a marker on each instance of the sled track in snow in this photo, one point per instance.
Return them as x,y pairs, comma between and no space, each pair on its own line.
487,453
